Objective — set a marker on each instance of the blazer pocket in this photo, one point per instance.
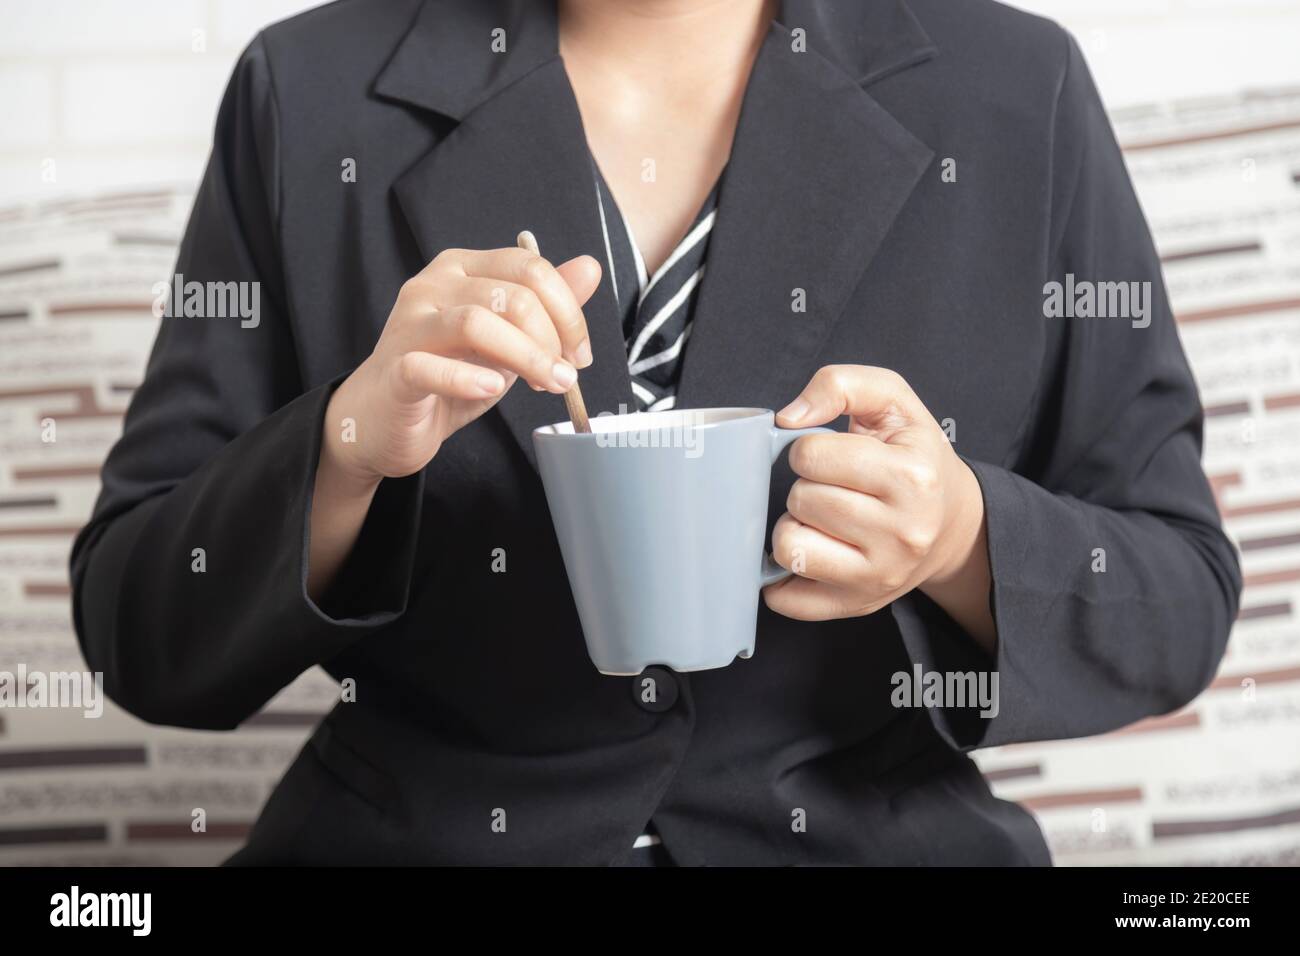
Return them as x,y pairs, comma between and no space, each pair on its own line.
372,785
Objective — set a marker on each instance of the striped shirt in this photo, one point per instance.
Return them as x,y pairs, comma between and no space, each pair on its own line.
656,310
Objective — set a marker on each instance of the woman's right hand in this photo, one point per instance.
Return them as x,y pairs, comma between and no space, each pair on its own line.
460,333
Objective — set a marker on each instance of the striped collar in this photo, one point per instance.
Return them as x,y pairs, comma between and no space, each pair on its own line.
657,311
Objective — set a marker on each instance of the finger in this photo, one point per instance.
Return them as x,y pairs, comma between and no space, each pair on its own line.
472,331
877,398
850,516
583,276
858,462
805,600
813,554
420,374
526,268
890,543
517,303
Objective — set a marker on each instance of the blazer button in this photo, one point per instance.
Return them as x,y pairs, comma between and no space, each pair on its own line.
655,689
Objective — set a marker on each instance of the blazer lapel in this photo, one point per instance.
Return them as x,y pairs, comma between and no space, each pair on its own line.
517,160
817,175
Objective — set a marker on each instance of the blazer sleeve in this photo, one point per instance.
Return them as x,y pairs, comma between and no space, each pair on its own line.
1109,476
189,582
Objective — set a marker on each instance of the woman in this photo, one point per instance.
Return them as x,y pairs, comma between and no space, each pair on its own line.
850,210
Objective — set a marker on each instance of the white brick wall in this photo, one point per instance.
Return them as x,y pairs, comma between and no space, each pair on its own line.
27,91
112,27
1145,50
118,93
153,103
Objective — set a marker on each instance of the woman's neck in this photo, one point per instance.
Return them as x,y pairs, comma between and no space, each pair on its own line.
659,84
686,41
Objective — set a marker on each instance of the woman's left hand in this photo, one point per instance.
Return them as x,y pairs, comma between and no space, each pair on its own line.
878,511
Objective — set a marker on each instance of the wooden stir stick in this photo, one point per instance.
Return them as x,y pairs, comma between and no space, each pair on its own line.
573,397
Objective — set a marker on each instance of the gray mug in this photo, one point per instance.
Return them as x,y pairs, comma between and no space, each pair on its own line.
661,518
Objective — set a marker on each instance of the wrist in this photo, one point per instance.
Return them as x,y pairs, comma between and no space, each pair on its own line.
966,535
962,585
338,469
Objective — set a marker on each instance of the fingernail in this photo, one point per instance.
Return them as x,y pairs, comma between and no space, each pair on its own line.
795,410
490,382
584,353
565,374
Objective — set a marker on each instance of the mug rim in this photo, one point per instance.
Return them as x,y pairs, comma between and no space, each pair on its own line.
742,414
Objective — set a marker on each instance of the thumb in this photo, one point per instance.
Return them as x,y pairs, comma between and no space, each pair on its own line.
878,400
583,275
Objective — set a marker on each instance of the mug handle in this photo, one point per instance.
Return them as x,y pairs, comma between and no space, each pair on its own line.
780,437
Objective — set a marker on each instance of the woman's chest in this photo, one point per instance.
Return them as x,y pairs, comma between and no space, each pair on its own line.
658,185
661,152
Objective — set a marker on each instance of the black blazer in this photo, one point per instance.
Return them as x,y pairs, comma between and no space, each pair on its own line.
474,691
